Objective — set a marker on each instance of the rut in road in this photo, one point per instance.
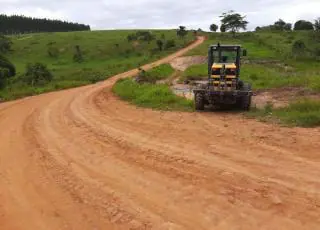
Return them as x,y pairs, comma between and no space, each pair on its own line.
83,159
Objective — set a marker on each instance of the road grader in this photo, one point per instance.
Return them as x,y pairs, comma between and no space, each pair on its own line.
224,86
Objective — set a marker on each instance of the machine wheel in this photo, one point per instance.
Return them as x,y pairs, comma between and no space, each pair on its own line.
199,101
245,102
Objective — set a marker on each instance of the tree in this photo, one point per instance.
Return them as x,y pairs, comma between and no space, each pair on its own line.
303,25
182,32
223,28
7,70
5,44
160,44
131,37
37,74
213,27
6,64
4,75
288,27
233,21
258,28
317,24
282,25
298,48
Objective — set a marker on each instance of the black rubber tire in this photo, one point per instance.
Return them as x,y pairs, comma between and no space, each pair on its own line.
199,101
246,100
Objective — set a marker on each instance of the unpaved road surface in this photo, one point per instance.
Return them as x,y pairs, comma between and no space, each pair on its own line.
82,159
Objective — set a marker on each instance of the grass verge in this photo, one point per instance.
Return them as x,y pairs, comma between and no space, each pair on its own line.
155,96
302,113
161,72
195,72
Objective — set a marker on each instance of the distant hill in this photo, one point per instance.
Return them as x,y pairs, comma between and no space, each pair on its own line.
20,24
80,58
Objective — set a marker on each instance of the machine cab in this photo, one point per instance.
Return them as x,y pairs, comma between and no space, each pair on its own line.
224,66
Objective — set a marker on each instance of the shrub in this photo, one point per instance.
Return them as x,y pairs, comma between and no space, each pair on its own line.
53,52
142,36
77,57
158,73
160,44
5,44
298,48
303,25
96,77
144,77
4,75
170,44
6,64
37,74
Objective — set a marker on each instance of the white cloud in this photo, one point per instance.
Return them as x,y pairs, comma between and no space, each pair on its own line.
107,14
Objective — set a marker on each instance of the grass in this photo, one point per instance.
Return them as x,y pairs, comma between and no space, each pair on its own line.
105,53
277,68
155,96
303,113
249,41
195,72
161,72
268,76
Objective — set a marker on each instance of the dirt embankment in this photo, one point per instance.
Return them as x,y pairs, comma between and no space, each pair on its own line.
83,159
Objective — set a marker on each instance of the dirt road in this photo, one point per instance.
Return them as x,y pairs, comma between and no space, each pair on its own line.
82,159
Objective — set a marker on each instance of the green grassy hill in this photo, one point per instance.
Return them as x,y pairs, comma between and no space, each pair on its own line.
272,60
105,53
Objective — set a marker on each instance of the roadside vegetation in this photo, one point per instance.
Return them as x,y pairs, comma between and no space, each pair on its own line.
155,96
195,72
73,59
303,113
161,72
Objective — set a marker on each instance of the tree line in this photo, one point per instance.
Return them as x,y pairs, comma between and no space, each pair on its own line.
20,24
281,25
233,22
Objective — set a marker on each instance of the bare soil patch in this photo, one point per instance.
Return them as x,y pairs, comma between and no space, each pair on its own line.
182,63
282,97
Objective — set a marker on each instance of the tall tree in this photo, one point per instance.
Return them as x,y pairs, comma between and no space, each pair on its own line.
233,21
160,44
282,25
317,24
182,32
303,25
223,28
213,27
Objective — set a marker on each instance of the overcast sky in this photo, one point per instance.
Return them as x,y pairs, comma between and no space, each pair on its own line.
122,14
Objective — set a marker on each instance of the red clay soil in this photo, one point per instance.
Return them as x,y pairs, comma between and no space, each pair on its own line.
83,159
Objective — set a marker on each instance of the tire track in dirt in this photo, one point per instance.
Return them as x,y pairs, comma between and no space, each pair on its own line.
83,159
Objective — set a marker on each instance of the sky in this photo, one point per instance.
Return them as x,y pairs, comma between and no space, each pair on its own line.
162,14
